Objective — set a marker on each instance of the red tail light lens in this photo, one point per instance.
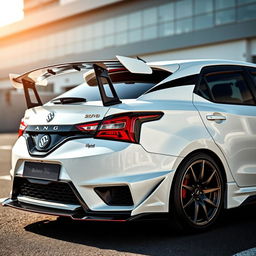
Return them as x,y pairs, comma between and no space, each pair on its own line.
22,128
124,127
120,128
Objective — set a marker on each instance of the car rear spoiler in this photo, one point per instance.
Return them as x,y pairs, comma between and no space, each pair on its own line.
38,77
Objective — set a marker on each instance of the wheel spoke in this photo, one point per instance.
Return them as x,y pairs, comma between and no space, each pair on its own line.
210,178
202,171
187,187
196,211
193,173
205,209
188,203
210,202
210,190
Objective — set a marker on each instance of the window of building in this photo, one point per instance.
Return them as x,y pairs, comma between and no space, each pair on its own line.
246,1
109,26
247,12
220,4
149,16
204,21
121,23
203,6
134,20
121,38
183,26
166,12
97,43
97,29
166,29
109,40
225,16
150,32
134,35
183,9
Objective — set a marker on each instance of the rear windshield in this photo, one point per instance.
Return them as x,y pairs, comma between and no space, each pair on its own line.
126,84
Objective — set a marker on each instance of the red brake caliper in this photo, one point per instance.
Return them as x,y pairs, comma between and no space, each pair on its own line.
184,191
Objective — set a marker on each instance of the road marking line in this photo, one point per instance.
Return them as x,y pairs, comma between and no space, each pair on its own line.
250,252
5,177
6,147
2,199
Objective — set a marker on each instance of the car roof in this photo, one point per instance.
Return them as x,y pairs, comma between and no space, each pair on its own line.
182,68
201,62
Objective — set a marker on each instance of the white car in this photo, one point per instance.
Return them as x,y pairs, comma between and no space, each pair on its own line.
137,140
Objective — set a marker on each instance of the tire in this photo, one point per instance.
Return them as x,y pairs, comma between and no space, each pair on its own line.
197,194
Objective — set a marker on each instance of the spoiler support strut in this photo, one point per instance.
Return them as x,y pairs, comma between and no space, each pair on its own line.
28,88
101,75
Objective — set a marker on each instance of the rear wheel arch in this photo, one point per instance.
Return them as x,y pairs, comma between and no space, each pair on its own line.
207,152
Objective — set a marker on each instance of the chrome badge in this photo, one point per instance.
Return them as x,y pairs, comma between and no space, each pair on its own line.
50,116
44,141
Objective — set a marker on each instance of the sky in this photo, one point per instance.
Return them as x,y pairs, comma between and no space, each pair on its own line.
10,11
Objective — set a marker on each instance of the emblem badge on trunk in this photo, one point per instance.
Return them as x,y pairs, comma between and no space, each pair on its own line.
49,117
44,141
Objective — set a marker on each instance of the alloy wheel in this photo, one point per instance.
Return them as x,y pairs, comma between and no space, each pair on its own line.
201,192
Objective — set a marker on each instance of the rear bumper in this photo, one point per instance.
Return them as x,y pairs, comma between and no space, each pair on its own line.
107,164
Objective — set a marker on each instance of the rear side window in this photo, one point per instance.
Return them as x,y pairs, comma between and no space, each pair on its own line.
227,87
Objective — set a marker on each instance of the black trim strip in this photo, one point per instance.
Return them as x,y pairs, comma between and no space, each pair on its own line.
183,81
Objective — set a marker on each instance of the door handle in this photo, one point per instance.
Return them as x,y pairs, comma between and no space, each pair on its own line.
215,117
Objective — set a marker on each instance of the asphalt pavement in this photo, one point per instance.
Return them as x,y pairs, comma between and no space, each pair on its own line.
23,233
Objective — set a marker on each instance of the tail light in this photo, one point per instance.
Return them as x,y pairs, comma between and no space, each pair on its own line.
125,127
22,127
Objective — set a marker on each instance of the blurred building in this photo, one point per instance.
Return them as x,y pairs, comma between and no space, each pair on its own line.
55,31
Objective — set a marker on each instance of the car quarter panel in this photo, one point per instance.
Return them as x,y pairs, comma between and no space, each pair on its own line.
180,131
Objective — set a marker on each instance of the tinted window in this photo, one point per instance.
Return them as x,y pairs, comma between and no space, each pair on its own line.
203,90
124,91
126,84
253,73
229,88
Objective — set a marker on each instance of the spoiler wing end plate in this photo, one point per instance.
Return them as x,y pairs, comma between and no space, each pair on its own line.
15,84
134,65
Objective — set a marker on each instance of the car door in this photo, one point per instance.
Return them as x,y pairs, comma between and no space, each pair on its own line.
226,103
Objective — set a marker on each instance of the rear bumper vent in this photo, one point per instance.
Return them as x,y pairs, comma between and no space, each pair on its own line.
50,191
115,195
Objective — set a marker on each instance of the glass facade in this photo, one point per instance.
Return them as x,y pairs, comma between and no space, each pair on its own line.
173,18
